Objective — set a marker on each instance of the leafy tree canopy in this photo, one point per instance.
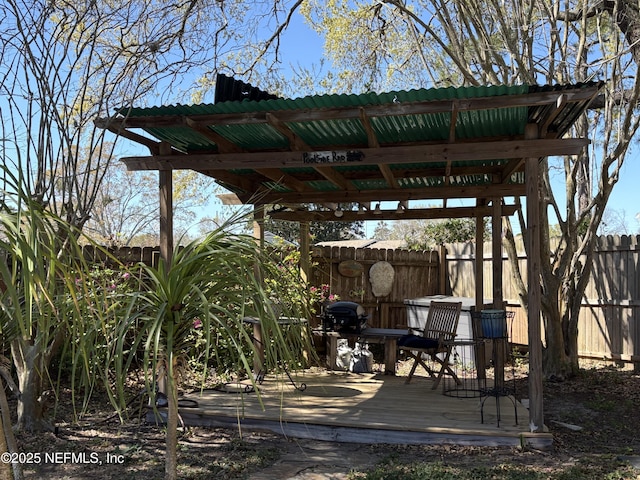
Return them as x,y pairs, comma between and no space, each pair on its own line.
427,234
381,45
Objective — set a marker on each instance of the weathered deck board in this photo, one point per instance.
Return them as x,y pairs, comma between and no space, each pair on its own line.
365,408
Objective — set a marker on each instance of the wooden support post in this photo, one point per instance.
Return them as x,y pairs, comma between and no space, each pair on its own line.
532,177
258,234
305,273
442,280
481,351
305,252
499,346
258,225
165,181
496,253
165,187
479,261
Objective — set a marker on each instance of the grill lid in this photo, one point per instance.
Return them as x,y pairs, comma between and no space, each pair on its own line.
345,308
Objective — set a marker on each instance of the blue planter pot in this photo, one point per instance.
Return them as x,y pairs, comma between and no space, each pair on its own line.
494,323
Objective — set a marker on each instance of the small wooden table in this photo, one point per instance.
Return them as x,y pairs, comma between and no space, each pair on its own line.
387,336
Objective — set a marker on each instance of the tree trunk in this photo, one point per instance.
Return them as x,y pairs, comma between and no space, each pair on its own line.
7,439
171,454
29,364
558,364
627,16
5,467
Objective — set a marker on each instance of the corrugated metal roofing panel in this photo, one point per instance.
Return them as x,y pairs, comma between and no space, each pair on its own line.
568,115
325,129
253,137
183,138
229,89
318,133
323,185
394,129
370,184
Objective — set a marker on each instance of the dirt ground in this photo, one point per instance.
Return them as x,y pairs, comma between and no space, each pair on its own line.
595,419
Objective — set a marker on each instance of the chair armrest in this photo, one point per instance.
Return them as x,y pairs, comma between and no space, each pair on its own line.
445,337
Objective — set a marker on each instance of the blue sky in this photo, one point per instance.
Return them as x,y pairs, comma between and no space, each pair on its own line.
302,46
625,198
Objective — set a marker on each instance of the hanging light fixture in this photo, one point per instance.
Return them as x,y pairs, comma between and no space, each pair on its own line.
377,211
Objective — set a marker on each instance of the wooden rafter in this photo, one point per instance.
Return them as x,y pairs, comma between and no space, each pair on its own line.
414,213
391,180
338,113
224,145
372,139
426,154
289,181
295,142
544,125
454,120
240,182
514,165
336,178
151,144
402,194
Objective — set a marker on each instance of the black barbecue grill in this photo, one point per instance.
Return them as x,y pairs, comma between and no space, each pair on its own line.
347,317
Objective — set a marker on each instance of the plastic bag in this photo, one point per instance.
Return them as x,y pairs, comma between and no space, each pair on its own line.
361,359
343,354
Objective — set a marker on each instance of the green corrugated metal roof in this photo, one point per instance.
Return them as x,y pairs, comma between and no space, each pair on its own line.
389,130
329,123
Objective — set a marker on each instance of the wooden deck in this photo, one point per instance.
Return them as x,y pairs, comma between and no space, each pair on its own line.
364,408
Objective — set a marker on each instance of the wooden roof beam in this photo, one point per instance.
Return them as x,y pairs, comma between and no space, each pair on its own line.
289,181
426,154
337,113
295,142
224,145
412,214
396,195
336,178
372,139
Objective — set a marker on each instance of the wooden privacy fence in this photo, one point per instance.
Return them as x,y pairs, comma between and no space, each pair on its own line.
127,255
609,322
417,274
347,271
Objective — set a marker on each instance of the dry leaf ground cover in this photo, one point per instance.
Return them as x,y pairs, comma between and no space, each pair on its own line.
595,419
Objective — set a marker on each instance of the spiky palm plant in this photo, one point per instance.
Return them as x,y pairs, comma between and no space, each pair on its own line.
39,254
210,285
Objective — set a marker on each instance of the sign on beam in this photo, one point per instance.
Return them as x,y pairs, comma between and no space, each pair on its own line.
333,156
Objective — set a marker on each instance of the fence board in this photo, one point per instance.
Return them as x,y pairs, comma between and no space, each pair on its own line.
609,320
416,275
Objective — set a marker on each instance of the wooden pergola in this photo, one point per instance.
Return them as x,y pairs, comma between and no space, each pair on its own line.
480,143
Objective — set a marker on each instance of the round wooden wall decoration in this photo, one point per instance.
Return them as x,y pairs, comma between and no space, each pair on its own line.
350,268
